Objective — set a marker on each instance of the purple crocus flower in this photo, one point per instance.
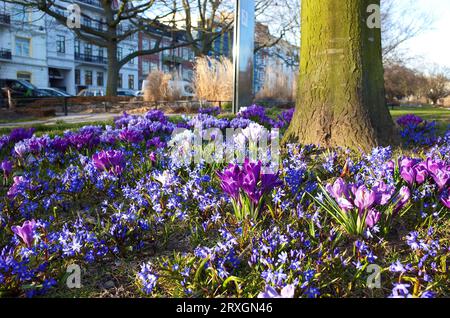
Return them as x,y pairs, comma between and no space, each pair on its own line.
25,232
131,135
231,180
19,186
403,197
383,193
270,181
421,172
372,218
156,142
249,185
406,162
269,292
249,179
7,167
441,177
409,119
19,134
408,174
111,160
344,204
364,198
338,189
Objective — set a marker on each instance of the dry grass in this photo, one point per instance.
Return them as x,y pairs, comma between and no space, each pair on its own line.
157,86
278,85
213,79
162,87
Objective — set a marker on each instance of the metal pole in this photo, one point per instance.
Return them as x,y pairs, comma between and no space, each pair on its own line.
243,55
66,111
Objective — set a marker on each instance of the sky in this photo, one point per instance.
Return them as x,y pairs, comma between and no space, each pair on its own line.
433,45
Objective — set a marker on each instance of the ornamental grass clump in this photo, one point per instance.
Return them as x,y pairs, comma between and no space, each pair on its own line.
247,188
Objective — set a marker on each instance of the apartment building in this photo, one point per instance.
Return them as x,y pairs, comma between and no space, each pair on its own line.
179,61
47,54
23,39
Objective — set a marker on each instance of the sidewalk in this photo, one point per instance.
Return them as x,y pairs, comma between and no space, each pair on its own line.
70,119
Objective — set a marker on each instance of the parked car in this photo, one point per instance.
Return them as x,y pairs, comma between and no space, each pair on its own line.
91,92
20,89
126,92
54,92
101,92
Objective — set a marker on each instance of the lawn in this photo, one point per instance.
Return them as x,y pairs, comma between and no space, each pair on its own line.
429,113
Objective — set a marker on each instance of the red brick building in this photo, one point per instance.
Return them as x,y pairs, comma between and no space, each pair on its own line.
179,62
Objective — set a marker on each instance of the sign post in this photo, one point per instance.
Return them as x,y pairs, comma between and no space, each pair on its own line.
244,42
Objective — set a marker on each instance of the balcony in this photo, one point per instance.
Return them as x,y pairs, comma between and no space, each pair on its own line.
94,3
172,59
5,54
5,18
97,26
95,59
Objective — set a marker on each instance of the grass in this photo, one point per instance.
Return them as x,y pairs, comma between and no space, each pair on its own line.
19,120
427,112
58,128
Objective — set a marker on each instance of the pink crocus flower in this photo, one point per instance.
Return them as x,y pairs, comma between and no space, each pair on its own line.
364,198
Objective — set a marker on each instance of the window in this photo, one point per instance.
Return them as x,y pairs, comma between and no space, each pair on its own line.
186,53
77,47
152,44
88,49
60,44
153,66
23,46
145,67
99,78
131,52
119,53
131,81
100,52
119,80
87,77
77,77
26,76
87,21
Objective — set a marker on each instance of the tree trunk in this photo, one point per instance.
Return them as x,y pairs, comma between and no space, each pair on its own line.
341,85
113,70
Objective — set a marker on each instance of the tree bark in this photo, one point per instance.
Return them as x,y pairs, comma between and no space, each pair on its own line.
341,85
113,70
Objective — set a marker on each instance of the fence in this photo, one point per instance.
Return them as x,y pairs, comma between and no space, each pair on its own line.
45,106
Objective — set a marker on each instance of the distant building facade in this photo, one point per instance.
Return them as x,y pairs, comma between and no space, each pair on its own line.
179,61
47,54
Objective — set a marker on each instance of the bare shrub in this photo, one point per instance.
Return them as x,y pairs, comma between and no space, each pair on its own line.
278,84
213,79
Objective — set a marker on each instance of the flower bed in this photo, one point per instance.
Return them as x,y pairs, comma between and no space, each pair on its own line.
320,226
